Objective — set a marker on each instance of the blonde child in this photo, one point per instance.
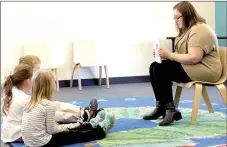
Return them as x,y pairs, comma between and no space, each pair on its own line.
15,88
32,61
39,127
66,113
13,102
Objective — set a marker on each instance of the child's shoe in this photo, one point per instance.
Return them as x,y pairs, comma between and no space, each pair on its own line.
108,123
91,111
99,118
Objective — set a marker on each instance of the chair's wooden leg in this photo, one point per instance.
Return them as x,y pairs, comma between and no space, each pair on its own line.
56,78
107,77
79,80
222,90
196,102
177,95
100,75
207,100
71,80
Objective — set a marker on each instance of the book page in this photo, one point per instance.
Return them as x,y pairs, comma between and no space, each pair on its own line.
157,58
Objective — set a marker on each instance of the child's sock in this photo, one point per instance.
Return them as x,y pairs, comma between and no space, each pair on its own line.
108,123
99,118
86,115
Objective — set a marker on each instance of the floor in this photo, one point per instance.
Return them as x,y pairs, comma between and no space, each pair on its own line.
141,90
138,90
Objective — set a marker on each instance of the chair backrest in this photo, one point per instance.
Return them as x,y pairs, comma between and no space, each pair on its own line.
87,53
223,55
41,50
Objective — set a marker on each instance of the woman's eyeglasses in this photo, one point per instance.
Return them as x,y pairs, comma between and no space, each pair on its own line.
177,18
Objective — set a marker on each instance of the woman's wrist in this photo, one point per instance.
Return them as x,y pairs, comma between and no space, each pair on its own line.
172,56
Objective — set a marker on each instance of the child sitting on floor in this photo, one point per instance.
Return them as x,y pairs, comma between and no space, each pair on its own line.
39,127
66,113
13,102
14,99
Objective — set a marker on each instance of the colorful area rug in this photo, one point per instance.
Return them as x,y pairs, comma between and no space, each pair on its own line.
132,131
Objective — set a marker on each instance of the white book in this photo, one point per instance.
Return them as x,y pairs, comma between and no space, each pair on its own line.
157,58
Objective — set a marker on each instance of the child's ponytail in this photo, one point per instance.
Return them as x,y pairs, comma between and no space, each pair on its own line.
21,73
7,92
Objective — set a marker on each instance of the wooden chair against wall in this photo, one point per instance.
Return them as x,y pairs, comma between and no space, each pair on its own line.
84,55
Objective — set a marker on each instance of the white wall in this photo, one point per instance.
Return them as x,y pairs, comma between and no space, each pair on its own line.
125,28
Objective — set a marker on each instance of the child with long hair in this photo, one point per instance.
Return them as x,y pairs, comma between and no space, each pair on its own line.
65,113
14,101
15,89
39,127
32,61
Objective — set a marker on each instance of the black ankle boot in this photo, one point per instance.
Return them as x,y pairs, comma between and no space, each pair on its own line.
158,111
171,115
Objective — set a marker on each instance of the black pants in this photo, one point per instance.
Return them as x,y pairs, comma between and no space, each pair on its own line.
162,75
76,136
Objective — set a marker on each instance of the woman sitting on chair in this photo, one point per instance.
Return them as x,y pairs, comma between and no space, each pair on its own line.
196,58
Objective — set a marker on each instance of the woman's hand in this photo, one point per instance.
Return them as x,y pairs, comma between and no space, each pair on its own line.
165,54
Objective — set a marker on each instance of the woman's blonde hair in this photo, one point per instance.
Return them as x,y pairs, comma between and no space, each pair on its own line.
20,73
30,60
43,88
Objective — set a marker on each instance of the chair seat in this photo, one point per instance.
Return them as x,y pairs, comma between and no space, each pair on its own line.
189,84
186,85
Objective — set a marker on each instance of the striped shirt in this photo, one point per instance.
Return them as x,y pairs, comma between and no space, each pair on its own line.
39,124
